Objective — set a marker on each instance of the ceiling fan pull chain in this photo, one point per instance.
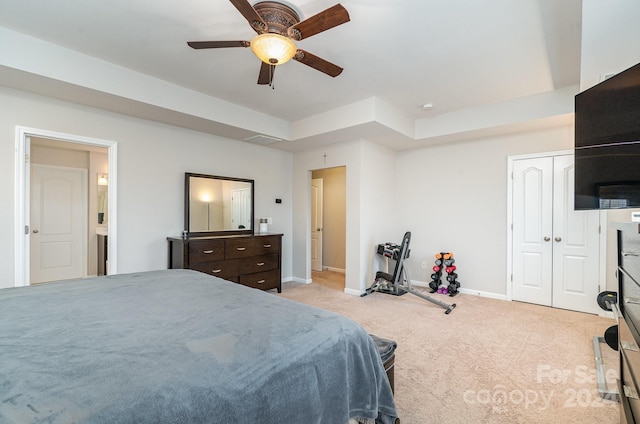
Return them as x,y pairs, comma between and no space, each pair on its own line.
271,77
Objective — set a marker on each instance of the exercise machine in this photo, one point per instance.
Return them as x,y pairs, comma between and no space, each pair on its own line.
399,282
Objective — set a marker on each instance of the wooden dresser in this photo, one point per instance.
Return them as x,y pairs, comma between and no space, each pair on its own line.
252,260
628,316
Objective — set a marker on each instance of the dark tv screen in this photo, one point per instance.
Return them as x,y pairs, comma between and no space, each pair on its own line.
607,143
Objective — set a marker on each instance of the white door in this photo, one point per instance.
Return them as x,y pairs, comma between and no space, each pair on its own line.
316,224
241,208
555,249
532,230
58,223
575,244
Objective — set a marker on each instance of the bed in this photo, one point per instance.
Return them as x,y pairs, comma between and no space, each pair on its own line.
180,346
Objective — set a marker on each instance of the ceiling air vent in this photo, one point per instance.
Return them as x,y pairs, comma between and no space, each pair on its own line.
262,139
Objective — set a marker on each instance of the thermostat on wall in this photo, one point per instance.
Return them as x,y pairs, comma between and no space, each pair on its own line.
635,216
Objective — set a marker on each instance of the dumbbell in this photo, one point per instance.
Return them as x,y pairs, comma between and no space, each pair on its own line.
439,262
448,255
435,276
452,277
450,269
453,288
434,286
449,262
438,255
606,299
436,268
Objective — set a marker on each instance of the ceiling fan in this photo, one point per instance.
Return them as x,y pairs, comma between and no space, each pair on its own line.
278,26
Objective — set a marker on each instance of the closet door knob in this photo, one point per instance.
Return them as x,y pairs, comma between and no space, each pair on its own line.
547,238
558,239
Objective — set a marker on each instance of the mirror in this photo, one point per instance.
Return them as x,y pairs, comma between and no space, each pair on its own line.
217,205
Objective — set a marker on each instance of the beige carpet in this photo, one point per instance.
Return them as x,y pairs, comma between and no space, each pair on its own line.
489,361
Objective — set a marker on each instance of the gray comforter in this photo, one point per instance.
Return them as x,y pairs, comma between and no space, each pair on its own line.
179,346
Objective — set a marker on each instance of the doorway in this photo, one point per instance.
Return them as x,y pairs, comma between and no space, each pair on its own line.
32,145
554,249
328,226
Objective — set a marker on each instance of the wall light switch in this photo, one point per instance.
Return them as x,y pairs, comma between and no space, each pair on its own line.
635,216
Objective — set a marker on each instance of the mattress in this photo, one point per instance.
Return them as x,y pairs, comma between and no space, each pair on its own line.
179,346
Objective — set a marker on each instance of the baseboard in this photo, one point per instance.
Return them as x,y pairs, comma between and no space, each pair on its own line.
467,291
415,283
483,294
606,314
328,268
297,280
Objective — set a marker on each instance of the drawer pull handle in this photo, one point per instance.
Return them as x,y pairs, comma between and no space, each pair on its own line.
261,281
215,271
627,345
260,263
266,245
630,392
207,252
241,248
629,253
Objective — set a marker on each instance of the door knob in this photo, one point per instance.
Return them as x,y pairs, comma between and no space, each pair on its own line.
547,238
558,239
35,231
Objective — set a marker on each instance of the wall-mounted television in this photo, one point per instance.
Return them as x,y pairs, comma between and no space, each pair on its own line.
607,143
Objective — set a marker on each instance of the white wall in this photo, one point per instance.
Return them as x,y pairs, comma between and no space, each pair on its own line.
152,160
610,38
610,44
453,198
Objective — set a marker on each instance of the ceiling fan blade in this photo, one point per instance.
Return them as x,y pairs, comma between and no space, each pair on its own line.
250,14
317,63
216,44
331,17
266,73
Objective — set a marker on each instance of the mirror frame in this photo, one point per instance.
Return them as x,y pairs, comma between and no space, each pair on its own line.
187,192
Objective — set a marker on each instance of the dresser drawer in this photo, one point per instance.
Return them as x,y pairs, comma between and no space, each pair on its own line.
630,253
259,263
629,346
262,280
240,247
206,250
629,394
267,244
228,270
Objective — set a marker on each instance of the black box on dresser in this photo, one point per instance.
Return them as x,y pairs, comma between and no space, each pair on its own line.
251,260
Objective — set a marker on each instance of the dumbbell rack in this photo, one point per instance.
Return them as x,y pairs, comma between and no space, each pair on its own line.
444,262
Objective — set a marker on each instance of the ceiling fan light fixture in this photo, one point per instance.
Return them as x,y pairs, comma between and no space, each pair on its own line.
273,49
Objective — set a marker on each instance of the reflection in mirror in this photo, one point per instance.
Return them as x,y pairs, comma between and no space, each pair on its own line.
103,183
218,204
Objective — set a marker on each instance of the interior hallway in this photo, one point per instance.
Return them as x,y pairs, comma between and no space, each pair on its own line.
330,279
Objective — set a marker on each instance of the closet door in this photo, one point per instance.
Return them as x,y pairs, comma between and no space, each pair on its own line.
555,248
575,244
532,230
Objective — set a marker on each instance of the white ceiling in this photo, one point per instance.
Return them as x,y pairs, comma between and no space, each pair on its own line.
459,55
